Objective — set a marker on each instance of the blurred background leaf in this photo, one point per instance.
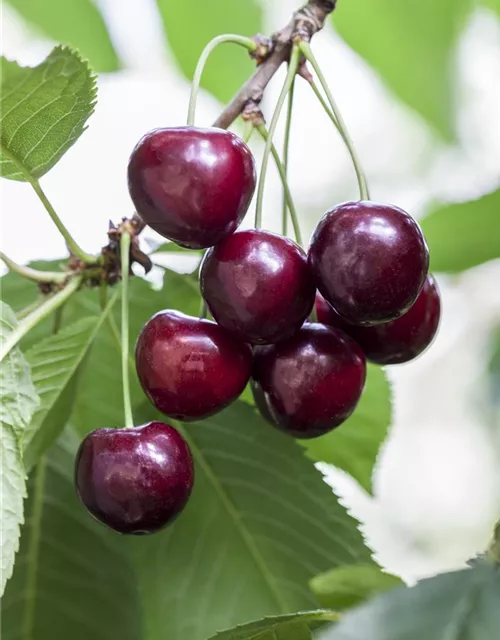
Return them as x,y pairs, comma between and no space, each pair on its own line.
465,234
190,25
78,23
411,45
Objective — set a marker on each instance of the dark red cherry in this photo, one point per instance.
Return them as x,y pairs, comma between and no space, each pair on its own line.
190,368
258,285
397,341
191,185
311,382
134,480
370,261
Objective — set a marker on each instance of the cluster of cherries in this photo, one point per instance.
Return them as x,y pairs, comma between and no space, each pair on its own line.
365,278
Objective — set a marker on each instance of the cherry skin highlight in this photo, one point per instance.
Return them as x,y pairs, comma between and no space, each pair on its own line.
190,368
370,261
311,382
258,285
191,185
135,480
397,341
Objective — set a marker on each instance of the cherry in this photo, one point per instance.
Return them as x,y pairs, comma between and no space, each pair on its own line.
258,285
134,480
190,368
370,261
191,185
311,382
397,341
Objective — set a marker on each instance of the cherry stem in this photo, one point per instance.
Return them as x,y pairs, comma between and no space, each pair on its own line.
40,313
289,204
292,70
286,147
33,274
325,106
306,50
125,241
248,128
243,41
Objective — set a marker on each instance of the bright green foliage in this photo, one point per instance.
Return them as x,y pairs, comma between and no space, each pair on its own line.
465,234
18,401
462,605
347,586
43,112
411,44
191,25
296,626
363,433
77,23
73,578
55,365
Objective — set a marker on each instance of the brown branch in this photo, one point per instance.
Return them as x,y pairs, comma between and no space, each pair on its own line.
304,24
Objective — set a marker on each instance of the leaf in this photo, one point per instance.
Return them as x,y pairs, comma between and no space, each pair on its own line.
44,110
55,363
18,401
465,234
345,587
411,45
191,25
259,525
285,627
73,578
78,23
462,605
354,446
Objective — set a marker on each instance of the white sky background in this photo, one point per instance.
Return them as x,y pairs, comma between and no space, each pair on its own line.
438,482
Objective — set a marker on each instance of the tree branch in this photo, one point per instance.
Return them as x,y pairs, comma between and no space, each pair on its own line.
303,25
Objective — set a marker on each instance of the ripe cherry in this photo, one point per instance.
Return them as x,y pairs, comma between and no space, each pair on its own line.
397,341
191,185
311,382
258,285
370,261
190,368
134,480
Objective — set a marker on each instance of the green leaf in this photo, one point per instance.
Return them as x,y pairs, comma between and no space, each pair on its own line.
259,524
18,401
78,23
285,627
55,363
43,112
465,234
354,446
73,578
191,25
462,605
345,587
411,45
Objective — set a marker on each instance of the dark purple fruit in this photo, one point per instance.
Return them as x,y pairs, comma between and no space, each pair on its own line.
370,261
397,341
311,382
191,185
190,368
134,480
258,285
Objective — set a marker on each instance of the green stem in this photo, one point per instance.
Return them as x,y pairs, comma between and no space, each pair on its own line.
125,269
71,243
286,189
247,130
248,43
292,70
306,50
46,308
326,107
33,274
286,147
